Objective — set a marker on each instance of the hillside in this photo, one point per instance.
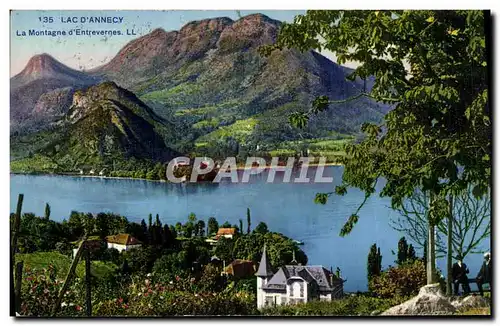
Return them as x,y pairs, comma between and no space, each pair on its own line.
40,93
105,125
205,88
210,78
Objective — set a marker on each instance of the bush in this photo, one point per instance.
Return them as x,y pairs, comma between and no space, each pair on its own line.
64,248
353,305
400,281
141,297
39,292
109,254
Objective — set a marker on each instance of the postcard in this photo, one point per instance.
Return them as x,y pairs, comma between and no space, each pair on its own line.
250,163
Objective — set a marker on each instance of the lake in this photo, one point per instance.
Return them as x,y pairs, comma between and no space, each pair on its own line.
287,208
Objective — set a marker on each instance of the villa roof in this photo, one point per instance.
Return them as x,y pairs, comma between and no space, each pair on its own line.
311,274
241,268
265,269
123,239
226,231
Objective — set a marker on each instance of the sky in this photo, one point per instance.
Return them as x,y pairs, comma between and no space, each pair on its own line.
86,52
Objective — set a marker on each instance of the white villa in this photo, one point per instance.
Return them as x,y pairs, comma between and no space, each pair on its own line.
295,284
122,242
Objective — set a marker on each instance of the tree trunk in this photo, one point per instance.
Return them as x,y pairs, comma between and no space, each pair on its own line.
19,278
69,276
431,255
13,249
449,256
88,283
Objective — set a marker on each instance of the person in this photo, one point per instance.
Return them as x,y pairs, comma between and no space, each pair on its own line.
459,273
484,275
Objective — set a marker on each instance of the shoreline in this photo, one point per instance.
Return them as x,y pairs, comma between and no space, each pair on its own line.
239,168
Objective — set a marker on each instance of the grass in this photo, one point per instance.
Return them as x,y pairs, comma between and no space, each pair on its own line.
37,163
353,305
61,263
239,130
331,148
476,312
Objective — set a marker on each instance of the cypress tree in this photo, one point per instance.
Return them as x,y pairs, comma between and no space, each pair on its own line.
249,221
47,211
402,251
412,255
374,264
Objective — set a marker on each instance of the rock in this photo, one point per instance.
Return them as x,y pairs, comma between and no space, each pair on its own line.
429,301
471,302
375,313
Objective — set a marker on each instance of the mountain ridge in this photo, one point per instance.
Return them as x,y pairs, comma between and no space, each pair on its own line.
207,85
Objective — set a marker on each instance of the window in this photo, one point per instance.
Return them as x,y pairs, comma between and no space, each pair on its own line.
269,300
283,299
291,290
301,289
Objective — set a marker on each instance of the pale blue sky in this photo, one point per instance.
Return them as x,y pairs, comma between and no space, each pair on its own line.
85,52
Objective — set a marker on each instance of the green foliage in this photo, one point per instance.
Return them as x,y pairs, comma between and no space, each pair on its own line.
401,281
213,226
402,251
374,264
352,305
61,263
141,297
141,260
249,221
440,121
261,228
47,211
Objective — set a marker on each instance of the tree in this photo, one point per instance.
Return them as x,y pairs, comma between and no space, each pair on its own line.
187,229
226,225
179,229
192,217
412,255
241,226
213,226
249,221
141,259
471,223
261,228
47,211
200,227
173,233
150,229
374,265
224,249
144,236
431,67
402,251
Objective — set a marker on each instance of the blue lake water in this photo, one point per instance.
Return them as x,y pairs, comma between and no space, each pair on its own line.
288,208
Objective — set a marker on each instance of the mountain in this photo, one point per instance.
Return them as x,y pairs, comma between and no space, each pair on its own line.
205,89
105,125
40,92
210,78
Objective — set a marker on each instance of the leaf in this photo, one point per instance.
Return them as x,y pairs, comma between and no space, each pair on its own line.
320,104
348,226
340,190
479,190
321,198
430,19
299,119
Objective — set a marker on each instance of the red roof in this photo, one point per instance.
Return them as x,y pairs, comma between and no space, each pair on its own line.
226,231
123,239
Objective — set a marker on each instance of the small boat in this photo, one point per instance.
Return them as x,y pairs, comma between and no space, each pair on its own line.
300,243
